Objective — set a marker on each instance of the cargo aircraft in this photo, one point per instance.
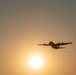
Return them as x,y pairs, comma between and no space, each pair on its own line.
55,45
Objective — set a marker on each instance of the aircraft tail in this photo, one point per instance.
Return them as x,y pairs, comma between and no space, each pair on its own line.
51,43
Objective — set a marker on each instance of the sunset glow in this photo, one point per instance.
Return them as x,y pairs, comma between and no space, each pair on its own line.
26,23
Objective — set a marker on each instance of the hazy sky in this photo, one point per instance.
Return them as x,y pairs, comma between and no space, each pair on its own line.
25,23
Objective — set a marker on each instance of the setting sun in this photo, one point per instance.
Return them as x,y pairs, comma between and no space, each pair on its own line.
35,61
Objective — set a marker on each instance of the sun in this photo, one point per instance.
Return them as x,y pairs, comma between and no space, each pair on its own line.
35,61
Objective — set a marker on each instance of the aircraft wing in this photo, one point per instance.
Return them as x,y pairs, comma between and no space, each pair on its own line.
64,43
43,44
40,44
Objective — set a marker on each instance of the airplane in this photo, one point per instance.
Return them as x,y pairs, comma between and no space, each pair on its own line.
55,46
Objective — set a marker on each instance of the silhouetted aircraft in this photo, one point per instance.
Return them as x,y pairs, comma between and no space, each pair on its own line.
55,46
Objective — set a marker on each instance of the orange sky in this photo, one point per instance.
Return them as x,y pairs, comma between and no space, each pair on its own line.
24,24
